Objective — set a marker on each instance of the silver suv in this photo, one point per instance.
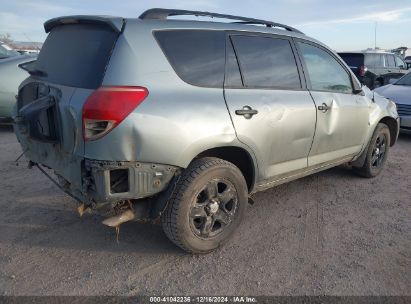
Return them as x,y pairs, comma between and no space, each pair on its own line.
151,118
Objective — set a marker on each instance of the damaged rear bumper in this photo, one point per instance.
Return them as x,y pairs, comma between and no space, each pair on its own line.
113,181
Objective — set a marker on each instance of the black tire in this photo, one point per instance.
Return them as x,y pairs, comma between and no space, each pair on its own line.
202,199
377,152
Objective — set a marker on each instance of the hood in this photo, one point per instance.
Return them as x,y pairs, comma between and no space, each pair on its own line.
398,93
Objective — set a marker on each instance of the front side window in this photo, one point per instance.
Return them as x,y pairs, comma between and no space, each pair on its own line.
266,62
399,62
324,71
197,56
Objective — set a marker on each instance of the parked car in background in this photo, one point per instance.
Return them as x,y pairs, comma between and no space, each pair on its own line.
10,78
407,60
147,118
400,93
6,51
375,69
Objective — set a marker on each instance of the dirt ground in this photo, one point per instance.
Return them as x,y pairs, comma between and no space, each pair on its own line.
332,233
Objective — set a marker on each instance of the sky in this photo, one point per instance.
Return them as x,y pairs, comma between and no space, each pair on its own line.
344,25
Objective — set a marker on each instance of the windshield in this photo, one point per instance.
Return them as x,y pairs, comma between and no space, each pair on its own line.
405,80
6,52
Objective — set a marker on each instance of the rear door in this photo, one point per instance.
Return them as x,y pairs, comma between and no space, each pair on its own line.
271,110
70,66
391,70
342,117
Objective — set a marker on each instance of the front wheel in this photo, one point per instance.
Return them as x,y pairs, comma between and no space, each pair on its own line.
377,152
207,205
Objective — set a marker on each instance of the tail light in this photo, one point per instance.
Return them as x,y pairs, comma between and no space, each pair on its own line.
107,107
363,69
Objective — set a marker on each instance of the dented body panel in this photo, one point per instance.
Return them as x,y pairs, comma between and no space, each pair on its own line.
144,154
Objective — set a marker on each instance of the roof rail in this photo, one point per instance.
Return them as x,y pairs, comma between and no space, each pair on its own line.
163,13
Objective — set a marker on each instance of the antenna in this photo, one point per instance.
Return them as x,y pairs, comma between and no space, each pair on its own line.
375,35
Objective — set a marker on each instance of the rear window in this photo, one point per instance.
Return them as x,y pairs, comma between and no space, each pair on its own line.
353,60
76,55
197,56
266,62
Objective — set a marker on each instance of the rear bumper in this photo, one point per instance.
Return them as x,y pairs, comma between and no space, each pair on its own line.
111,181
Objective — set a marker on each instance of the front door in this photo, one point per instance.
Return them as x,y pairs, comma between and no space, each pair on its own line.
342,116
271,110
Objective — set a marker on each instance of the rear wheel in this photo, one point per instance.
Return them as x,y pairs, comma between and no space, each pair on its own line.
377,152
207,205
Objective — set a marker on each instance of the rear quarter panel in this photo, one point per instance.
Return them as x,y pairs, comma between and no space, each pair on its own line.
176,122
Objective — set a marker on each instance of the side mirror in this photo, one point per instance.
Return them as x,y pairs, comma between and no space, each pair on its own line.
401,67
358,91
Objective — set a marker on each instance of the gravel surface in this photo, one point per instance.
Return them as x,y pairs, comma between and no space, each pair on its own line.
331,233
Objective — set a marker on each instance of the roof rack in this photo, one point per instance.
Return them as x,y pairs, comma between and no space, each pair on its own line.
163,13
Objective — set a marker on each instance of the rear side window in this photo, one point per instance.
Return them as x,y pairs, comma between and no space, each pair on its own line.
353,60
233,76
76,55
266,62
197,56
390,61
324,71
374,60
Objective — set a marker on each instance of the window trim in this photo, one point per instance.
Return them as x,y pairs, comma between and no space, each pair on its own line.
395,60
301,77
309,86
192,30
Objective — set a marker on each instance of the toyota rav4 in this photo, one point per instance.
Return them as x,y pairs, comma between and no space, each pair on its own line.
178,120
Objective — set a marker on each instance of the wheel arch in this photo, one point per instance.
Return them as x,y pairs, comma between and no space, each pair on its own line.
240,157
392,125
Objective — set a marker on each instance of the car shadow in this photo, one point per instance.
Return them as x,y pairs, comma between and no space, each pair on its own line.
43,226
405,137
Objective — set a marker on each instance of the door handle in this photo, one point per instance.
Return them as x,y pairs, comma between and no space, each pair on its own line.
389,71
323,108
247,112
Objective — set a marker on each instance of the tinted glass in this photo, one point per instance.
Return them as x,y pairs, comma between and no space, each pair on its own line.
390,62
233,78
353,60
399,62
374,60
198,57
266,62
76,55
405,80
325,73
